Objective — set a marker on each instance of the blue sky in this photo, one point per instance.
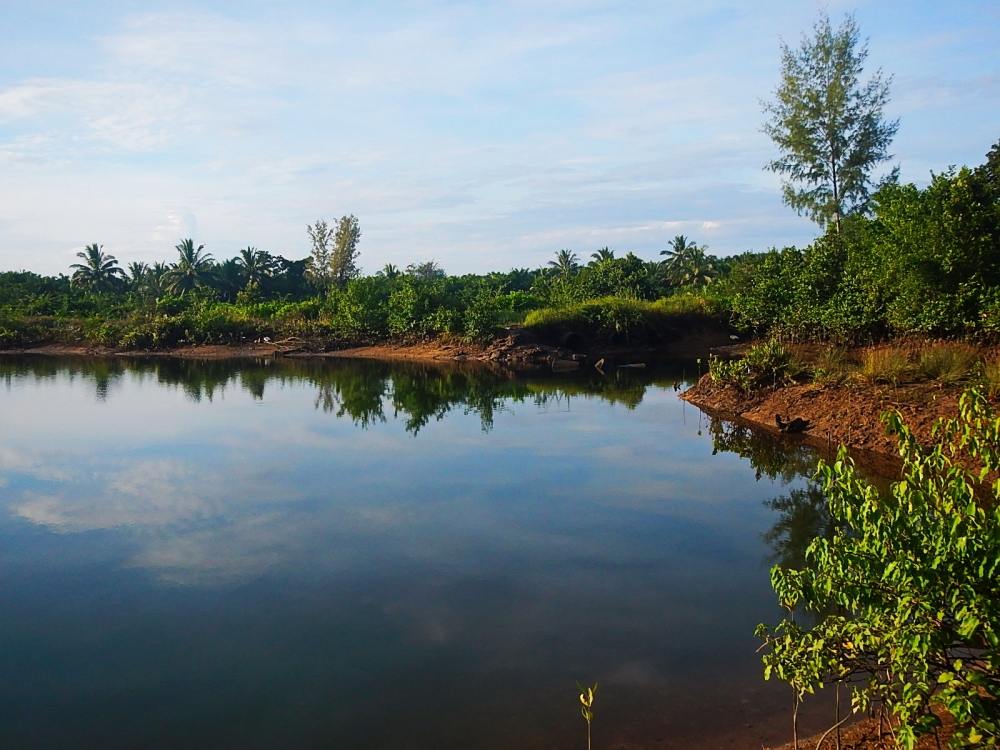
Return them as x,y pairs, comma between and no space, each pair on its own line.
485,135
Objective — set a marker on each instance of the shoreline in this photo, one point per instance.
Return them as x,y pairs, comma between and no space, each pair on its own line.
848,415
517,350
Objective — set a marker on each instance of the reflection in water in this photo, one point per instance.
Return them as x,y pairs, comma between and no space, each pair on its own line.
293,553
802,516
781,458
802,512
359,389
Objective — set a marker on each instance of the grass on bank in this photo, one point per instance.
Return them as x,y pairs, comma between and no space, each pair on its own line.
619,316
947,363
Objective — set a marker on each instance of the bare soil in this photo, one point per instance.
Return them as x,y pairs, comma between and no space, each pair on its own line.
865,735
848,414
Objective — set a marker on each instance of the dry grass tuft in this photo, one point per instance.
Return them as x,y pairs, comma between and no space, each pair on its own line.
947,362
888,364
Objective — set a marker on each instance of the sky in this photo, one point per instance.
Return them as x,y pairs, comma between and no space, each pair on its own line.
482,135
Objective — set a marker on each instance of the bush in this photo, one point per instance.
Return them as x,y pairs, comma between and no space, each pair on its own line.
769,363
904,596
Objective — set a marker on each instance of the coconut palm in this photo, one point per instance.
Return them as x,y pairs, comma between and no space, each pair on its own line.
137,275
255,265
229,277
687,263
157,278
602,255
192,269
390,271
99,270
566,263
695,268
679,247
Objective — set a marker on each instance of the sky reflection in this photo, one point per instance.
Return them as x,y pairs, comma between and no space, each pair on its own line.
301,553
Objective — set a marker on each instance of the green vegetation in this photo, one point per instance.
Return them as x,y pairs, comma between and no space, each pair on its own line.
766,364
923,261
197,300
828,126
587,695
903,591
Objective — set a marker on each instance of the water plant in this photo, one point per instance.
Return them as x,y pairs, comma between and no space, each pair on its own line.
587,695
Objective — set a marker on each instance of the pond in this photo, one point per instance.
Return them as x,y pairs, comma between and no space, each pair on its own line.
353,554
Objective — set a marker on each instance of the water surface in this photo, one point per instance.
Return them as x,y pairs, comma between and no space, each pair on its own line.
285,554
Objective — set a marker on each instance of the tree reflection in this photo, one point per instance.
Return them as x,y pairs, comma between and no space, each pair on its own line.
771,456
365,391
802,516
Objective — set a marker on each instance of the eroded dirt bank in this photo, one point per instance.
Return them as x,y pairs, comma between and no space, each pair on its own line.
517,349
837,414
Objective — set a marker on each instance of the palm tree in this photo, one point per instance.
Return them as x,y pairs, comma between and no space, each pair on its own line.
679,247
687,263
390,271
157,277
192,269
99,270
694,269
137,275
602,255
566,263
229,277
256,265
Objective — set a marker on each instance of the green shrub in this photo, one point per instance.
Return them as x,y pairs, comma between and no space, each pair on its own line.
901,602
765,364
616,317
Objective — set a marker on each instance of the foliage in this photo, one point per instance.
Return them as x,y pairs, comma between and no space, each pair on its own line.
586,696
905,592
99,270
566,263
828,126
344,258
687,264
319,269
927,261
767,363
617,318
192,269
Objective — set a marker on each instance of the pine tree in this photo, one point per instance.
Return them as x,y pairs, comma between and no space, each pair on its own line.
827,124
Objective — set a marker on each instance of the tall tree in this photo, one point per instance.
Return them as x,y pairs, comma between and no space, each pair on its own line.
319,269
828,124
427,270
344,260
99,270
256,265
566,263
192,269
602,255
137,273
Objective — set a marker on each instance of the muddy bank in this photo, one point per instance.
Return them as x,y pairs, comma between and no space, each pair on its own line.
516,350
837,414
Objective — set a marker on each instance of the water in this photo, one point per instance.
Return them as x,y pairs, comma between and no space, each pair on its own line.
356,555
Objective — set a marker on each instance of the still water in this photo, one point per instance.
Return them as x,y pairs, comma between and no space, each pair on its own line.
296,554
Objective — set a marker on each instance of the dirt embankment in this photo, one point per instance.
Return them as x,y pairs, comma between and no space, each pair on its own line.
516,349
837,414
